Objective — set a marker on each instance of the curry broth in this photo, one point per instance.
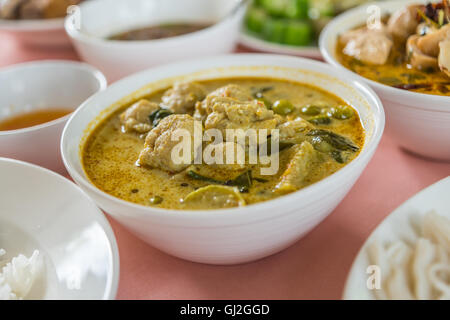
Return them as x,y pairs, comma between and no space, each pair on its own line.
109,156
32,118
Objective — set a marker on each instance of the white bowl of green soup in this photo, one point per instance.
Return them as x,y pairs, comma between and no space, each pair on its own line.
397,58
308,131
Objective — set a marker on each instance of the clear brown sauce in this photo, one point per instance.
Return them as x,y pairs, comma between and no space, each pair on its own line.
159,32
32,118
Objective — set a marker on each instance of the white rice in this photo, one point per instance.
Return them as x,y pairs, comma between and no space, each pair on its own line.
18,276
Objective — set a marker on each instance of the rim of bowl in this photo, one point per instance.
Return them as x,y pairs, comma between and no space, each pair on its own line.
416,100
78,35
366,153
32,25
97,74
113,281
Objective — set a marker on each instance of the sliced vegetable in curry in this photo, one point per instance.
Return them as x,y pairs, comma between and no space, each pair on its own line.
130,154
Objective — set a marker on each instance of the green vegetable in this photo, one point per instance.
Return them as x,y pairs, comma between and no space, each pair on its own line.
255,19
341,112
194,175
158,115
298,33
282,107
243,181
266,102
337,146
321,145
320,120
274,30
298,9
311,110
156,200
391,81
337,156
335,140
258,94
275,7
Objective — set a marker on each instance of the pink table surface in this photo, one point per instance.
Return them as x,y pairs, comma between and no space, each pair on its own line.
315,267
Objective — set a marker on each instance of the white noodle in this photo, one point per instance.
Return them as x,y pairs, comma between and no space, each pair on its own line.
423,257
437,282
417,271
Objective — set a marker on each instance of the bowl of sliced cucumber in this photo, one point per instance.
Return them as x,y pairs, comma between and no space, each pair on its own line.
290,26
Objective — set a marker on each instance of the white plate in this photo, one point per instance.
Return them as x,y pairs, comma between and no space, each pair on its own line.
261,45
397,226
42,210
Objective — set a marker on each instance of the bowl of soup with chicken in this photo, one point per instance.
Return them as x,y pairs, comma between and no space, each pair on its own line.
401,48
215,152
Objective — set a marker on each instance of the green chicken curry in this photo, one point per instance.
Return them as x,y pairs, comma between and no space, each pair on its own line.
408,50
130,154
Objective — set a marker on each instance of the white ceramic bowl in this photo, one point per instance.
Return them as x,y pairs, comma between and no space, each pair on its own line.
240,234
37,85
37,33
116,59
419,122
41,210
398,226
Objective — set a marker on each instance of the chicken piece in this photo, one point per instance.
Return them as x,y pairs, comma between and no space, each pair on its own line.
417,58
429,44
368,45
403,23
10,9
444,57
228,94
424,29
182,97
294,131
228,114
162,140
298,168
232,91
137,117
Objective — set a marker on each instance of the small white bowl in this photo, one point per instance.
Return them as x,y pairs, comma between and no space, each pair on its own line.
397,227
37,33
39,85
240,234
419,122
41,210
116,59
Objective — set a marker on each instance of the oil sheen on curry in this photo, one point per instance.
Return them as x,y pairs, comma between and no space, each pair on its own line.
408,50
129,154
